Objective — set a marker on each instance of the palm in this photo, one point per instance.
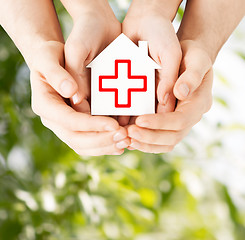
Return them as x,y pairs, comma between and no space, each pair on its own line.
82,46
164,48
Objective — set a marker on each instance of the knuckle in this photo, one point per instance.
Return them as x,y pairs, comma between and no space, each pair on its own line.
154,138
169,149
79,152
71,122
182,124
71,143
175,50
209,104
194,76
178,53
178,137
44,122
199,119
35,108
69,49
51,70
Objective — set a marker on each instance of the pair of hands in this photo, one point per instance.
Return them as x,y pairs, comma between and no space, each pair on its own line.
58,71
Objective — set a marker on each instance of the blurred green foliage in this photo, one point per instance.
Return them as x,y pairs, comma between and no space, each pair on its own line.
47,192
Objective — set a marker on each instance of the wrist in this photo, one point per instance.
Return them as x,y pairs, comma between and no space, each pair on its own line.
78,8
164,8
191,43
208,47
45,48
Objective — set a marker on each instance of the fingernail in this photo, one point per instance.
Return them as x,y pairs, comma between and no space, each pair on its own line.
121,145
135,145
184,89
66,88
135,135
118,137
165,99
75,99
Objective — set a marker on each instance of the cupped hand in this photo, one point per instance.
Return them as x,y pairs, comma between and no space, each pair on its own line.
160,132
94,28
86,134
144,23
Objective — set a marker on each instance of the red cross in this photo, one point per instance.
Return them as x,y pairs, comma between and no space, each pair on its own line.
129,89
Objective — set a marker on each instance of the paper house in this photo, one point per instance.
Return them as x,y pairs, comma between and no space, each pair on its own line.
123,79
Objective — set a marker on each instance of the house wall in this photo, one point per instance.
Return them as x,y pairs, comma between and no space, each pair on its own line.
102,103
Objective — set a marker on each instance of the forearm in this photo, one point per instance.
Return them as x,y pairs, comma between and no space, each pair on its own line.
165,8
77,8
209,23
30,23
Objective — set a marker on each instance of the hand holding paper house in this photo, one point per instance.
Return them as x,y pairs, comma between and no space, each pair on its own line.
123,79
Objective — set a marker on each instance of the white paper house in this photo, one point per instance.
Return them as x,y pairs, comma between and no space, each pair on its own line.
123,79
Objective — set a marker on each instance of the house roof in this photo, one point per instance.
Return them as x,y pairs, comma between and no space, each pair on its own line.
119,44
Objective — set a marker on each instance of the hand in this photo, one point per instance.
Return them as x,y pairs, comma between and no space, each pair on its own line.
157,133
86,134
144,22
95,27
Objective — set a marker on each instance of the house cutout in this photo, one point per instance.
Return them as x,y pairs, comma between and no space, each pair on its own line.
123,79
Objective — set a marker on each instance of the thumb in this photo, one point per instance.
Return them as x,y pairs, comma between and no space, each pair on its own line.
196,64
166,78
60,80
49,65
76,56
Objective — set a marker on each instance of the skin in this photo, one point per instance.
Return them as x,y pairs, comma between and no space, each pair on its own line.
200,38
211,32
41,43
160,132
151,21
54,77
83,45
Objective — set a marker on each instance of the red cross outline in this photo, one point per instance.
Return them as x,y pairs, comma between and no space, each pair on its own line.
130,90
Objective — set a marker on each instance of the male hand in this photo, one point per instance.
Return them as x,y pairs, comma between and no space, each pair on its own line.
160,132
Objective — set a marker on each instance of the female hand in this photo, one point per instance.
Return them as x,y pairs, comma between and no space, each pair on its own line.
86,134
95,27
151,21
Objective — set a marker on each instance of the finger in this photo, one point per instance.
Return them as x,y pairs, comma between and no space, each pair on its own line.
170,61
158,137
169,57
187,112
124,143
86,140
162,121
123,120
49,65
108,150
82,107
149,148
132,120
60,80
77,52
48,104
165,49
196,64
174,121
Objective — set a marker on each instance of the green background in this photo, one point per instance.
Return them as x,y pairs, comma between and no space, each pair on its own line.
47,192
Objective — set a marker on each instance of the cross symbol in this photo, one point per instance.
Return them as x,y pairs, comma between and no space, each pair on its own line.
122,83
